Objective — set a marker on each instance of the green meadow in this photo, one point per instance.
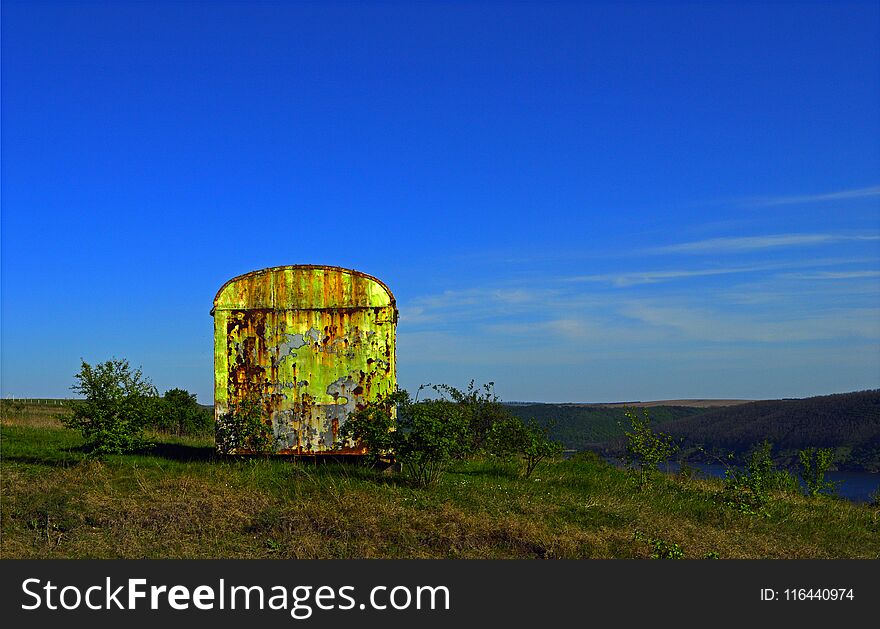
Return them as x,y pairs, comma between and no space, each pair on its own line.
178,500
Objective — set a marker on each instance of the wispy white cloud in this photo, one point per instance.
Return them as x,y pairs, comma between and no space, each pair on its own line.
653,277
805,290
559,327
855,193
574,321
634,278
474,303
704,324
832,275
755,243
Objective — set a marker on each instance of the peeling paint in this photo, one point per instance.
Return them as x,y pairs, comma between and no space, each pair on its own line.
314,342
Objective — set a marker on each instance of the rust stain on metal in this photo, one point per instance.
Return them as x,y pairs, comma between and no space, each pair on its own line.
314,343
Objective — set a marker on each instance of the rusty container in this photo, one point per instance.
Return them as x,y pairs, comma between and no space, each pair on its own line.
305,345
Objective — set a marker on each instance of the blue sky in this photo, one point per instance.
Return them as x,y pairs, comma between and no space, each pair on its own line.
580,202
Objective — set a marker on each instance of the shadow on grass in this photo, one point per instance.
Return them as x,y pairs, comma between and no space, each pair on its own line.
509,472
181,452
65,458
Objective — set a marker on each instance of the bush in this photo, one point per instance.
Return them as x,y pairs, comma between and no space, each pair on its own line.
529,441
426,436
118,404
373,426
481,408
814,462
244,429
423,436
748,490
429,435
179,413
645,449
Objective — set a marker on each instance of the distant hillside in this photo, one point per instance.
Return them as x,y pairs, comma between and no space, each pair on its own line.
581,426
693,403
847,421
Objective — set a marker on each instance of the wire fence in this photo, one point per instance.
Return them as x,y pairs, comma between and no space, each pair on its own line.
37,400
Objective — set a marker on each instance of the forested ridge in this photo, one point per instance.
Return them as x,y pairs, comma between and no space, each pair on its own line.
581,427
847,422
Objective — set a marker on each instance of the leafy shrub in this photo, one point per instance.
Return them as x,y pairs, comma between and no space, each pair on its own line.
645,449
481,408
748,490
429,435
373,426
530,441
424,436
118,404
814,462
179,413
244,428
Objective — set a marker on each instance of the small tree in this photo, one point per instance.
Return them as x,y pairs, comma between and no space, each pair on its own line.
180,413
118,404
645,449
814,463
748,491
530,441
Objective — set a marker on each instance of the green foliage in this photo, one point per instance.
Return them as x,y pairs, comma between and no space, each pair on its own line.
579,426
179,501
244,428
179,413
481,408
848,422
748,491
424,436
645,449
373,426
529,441
712,554
661,549
429,435
814,462
118,404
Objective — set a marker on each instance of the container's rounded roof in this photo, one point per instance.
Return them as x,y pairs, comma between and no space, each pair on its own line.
303,287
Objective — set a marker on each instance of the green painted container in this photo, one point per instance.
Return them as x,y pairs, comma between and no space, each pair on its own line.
307,345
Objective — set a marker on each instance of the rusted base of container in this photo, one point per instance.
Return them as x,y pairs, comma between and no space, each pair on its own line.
385,464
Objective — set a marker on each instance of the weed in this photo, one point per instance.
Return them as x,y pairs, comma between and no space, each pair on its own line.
661,549
814,462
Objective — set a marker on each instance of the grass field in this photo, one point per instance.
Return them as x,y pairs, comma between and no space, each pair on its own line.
179,501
